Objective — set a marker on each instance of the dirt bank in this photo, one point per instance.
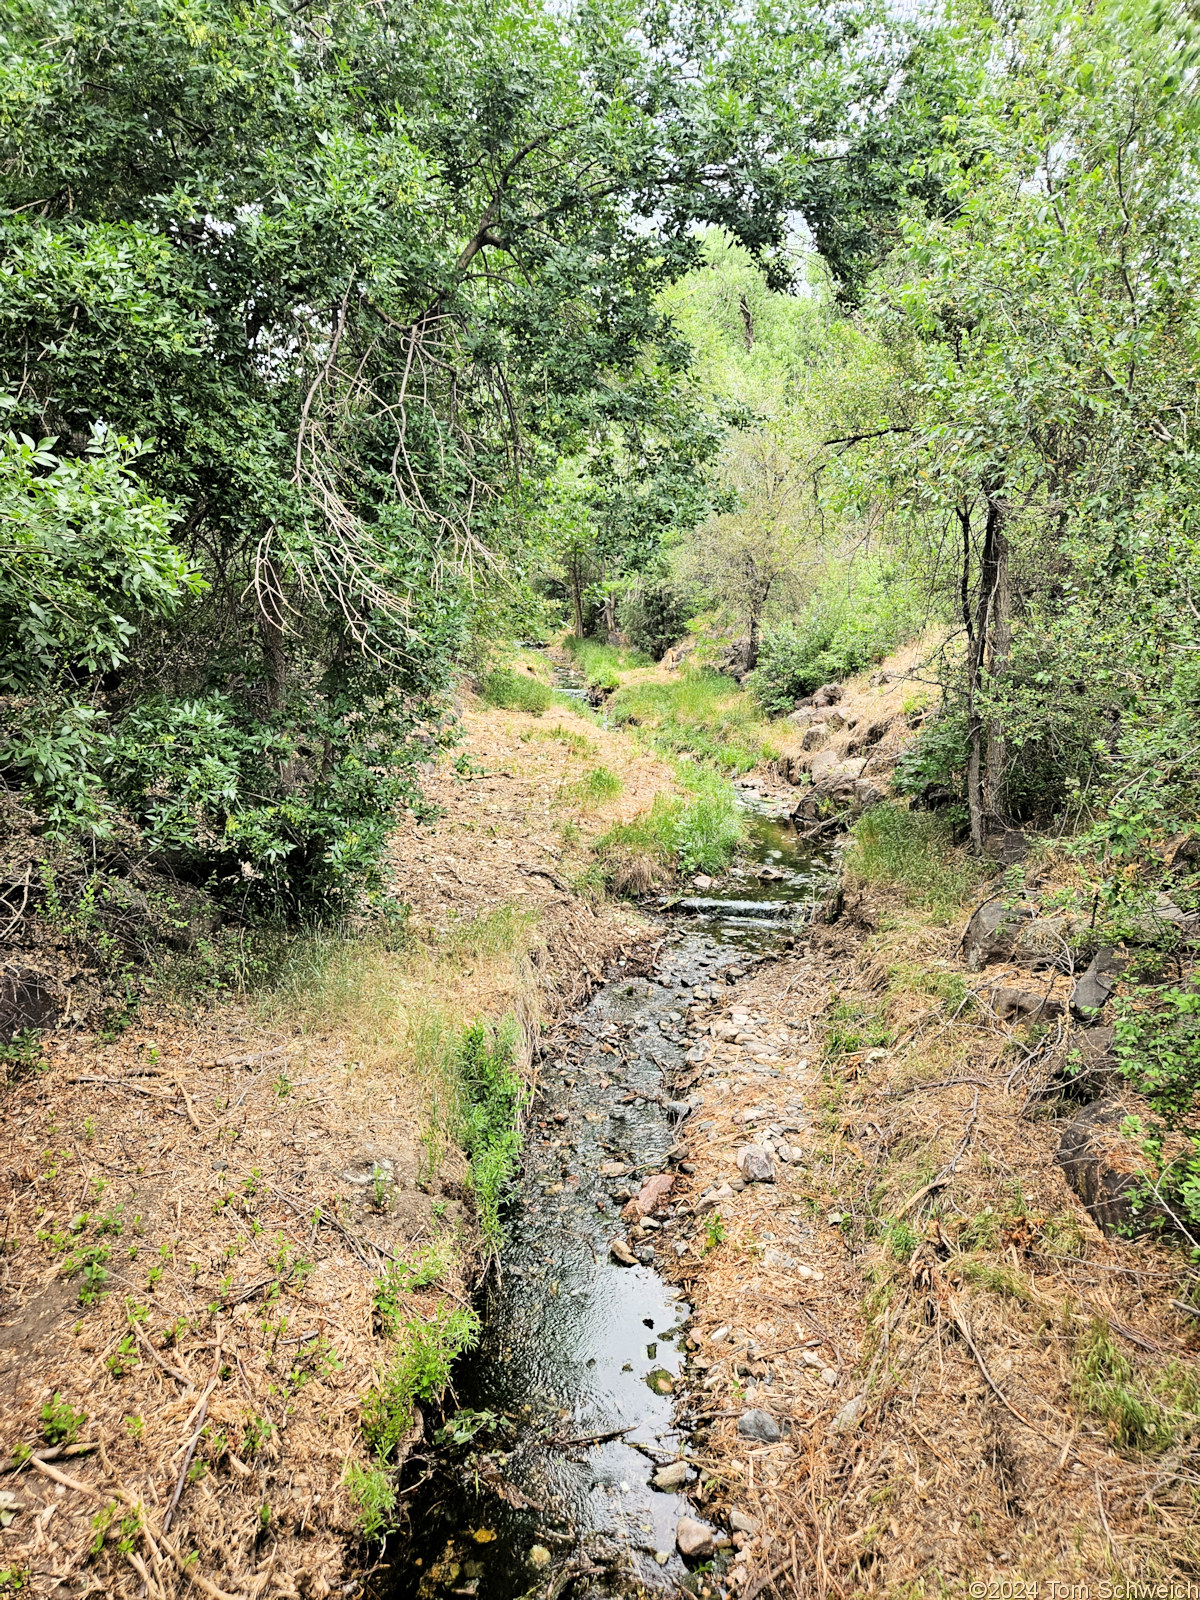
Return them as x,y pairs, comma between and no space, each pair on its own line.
200,1210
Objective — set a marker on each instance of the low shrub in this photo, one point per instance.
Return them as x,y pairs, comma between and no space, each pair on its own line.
513,691
841,632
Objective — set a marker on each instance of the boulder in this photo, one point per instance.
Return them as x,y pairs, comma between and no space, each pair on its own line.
835,721
1106,1169
827,695
868,793
1091,992
865,737
755,1164
759,1426
801,717
694,1539
1089,1067
815,736
992,932
1007,846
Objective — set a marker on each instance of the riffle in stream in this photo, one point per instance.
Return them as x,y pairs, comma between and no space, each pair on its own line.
564,1414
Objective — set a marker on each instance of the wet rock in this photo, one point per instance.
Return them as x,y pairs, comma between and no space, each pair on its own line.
694,1539
651,1194
741,1523
660,1381
1025,1004
1107,1170
760,1426
621,1253
673,1476
1091,993
755,1164
992,932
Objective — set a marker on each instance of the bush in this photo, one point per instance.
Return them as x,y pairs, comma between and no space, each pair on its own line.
839,634
513,691
654,618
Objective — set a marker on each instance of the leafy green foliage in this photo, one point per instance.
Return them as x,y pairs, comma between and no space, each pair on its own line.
373,1490
700,833
492,1100
1157,1041
419,1370
61,1423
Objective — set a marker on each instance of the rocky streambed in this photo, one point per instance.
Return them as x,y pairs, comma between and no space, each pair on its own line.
565,1459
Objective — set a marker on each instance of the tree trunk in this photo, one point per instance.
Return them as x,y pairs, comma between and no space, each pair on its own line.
271,631
989,635
752,645
577,599
610,619
747,323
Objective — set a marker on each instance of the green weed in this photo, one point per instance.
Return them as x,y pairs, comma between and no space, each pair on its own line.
701,714
374,1494
60,1421
1106,1384
419,1371
492,1098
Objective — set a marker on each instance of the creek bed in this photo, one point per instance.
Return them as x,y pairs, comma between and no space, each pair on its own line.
565,1411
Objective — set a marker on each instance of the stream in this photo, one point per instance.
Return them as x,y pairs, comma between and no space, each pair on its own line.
565,1412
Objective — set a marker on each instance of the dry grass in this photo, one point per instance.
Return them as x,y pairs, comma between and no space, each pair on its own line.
207,1166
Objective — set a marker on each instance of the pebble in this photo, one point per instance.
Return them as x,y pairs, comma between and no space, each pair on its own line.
760,1425
741,1523
719,1335
755,1164
673,1476
694,1539
621,1252
829,1376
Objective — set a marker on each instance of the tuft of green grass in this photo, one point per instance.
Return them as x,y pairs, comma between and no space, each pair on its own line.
513,691
700,713
913,851
1138,1416
602,664
594,788
492,1099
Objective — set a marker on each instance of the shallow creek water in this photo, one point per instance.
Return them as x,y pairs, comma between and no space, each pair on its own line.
581,1361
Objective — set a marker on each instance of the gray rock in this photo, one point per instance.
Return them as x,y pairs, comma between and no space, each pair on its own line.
741,1523
759,1425
851,1414
755,1164
992,932
1106,1170
673,1476
1091,992
827,695
1025,1004
694,1539
645,1255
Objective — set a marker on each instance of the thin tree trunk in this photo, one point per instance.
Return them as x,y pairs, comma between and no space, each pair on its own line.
988,640
271,632
577,599
752,646
610,619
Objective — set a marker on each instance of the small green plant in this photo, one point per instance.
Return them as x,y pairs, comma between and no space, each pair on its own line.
124,1358
900,1240
381,1189
282,1086
419,1371
256,1433
60,1421
492,1097
595,787
714,1231
136,1428
373,1491
1106,1385
463,1426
